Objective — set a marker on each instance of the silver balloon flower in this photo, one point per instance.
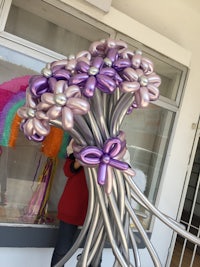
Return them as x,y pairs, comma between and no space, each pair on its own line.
63,103
34,121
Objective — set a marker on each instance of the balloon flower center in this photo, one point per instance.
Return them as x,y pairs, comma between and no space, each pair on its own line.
108,62
60,99
47,72
143,81
31,112
93,71
105,159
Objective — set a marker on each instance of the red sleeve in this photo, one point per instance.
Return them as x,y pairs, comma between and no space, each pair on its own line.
66,168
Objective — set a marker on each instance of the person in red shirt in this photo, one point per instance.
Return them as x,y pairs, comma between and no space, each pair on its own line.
72,206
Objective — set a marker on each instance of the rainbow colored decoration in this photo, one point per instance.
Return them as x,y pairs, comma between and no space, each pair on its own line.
12,96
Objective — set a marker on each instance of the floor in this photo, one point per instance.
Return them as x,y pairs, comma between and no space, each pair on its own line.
186,262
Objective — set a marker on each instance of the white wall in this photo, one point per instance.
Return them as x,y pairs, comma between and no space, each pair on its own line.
178,20
25,257
34,257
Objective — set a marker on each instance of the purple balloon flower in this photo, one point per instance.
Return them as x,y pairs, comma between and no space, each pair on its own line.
94,75
106,157
40,84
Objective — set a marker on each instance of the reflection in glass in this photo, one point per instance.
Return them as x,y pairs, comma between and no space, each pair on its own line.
26,182
55,29
171,77
147,134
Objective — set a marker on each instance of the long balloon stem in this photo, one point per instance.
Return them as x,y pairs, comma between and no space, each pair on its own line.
149,246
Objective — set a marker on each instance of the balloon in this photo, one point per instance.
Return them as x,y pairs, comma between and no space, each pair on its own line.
54,112
30,101
36,138
153,92
52,82
48,98
56,68
105,83
97,48
112,55
41,116
22,112
67,118
104,157
43,106
144,97
155,79
59,63
126,53
82,66
38,86
90,86
97,62
147,66
136,59
71,65
130,74
116,44
78,78
28,127
109,181
108,72
121,64
42,128
78,105
129,86
83,55
62,74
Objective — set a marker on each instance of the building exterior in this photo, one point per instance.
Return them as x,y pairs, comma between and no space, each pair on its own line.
36,32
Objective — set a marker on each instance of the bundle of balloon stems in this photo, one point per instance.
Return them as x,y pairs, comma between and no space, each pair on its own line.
88,96
110,211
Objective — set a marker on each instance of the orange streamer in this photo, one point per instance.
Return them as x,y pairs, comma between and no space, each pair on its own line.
52,143
14,131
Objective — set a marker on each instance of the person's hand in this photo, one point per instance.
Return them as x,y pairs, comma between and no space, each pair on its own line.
76,164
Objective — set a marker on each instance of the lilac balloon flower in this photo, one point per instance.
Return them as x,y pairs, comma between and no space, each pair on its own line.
35,123
63,103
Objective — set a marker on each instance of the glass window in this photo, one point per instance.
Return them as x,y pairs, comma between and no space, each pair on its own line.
27,192
26,179
172,73
14,64
147,134
51,27
149,130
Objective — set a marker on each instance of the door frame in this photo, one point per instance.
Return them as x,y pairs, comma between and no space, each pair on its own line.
185,188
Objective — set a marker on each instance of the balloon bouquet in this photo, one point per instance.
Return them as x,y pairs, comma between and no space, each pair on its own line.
88,95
